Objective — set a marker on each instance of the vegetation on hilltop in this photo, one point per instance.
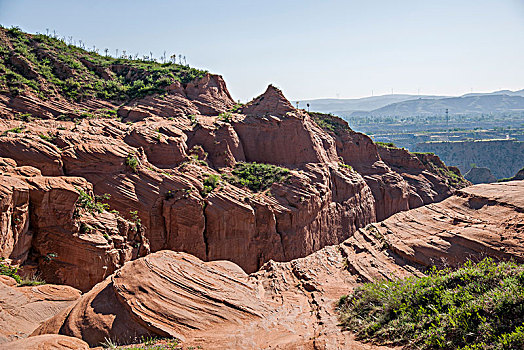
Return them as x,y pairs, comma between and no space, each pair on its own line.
329,122
386,144
50,67
479,306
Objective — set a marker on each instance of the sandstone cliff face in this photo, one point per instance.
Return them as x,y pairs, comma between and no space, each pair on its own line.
290,305
429,179
42,224
156,166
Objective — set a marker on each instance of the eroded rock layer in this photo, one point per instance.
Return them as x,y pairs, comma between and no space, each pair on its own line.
156,143
154,171
290,305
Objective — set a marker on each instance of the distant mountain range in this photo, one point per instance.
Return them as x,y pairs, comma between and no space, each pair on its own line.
502,101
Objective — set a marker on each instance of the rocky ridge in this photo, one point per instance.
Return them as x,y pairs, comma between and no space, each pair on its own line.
290,305
152,155
93,180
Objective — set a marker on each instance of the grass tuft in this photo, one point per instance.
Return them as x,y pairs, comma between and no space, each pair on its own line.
478,306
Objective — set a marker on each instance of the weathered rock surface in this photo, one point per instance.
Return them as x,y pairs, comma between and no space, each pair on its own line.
157,166
271,102
41,223
47,342
291,305
481,220
480,176
23,309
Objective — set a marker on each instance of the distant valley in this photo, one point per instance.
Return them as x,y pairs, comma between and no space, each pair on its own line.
503,101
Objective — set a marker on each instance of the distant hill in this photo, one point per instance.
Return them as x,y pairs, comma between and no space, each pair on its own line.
333,105
483,104
500,92
502,101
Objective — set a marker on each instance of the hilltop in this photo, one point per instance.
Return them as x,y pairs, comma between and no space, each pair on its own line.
52,69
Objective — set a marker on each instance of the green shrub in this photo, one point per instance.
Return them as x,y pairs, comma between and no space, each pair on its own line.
226,117
256,176
11,271
329,122
344,165
135,218
386,144
236,107
210,183
46,137
16,130
91,205
132,162
193,119
479,306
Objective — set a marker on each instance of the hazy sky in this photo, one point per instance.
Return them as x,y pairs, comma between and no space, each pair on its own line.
310,49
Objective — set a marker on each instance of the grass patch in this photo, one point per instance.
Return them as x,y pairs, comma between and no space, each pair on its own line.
31,280
330,122
256,176
147,343
478,306
386,144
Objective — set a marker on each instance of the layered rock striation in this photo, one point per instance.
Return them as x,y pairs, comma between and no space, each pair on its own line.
158,150
290,305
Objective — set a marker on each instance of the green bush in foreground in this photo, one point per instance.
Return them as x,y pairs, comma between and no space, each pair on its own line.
256,176
479,306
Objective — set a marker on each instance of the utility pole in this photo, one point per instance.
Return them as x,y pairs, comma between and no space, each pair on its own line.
447,123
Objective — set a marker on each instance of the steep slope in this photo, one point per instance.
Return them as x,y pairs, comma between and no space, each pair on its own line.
503,157
291,305
164,145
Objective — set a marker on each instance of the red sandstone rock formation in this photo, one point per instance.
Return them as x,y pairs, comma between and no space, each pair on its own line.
153,163
46,342
42,223
290,305
323,203
23,309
